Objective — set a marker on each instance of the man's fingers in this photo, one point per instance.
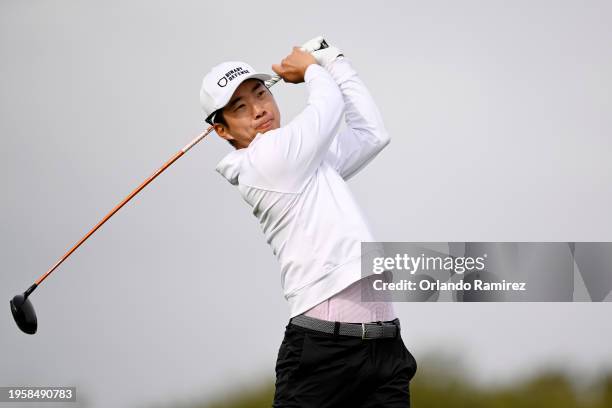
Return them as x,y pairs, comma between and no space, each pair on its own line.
277,69
292,67
297,50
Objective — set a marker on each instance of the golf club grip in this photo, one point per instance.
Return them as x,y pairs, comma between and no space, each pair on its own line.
275,78
270,82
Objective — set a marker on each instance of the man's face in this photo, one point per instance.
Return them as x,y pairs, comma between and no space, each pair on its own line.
251,110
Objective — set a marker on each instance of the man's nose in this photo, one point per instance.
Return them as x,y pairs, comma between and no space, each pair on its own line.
259,110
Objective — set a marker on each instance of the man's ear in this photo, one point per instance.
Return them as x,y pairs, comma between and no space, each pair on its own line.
222,131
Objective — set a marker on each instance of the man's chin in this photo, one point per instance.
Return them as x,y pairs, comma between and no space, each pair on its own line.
266,130
271,126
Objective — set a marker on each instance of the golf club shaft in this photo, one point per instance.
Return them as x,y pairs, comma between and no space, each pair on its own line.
122,203
174,158
269,83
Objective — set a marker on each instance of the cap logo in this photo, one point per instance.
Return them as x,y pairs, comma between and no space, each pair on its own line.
230,75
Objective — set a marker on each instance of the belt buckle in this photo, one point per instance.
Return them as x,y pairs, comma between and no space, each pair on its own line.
363,332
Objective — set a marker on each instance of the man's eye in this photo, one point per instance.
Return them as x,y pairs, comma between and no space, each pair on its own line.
261,93
239,107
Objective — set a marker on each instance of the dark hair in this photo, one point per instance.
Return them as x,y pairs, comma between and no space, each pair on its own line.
218,118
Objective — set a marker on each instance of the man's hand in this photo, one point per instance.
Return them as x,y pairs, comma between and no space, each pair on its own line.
293,67
327,55
323,52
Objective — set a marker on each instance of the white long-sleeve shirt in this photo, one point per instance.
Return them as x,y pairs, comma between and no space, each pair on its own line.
294,177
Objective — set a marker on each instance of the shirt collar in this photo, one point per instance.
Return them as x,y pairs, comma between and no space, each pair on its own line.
229,166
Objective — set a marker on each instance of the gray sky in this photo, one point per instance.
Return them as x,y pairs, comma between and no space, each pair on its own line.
499,114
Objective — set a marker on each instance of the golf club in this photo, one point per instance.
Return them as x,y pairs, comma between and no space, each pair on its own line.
21,307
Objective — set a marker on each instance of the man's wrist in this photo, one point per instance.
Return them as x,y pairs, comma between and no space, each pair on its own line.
310,72
341,69
334,62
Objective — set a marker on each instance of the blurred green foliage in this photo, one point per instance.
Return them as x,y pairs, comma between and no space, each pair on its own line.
439,383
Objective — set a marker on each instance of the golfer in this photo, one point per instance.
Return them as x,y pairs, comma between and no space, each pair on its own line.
337,351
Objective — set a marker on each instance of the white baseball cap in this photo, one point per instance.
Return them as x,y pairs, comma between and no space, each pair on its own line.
220,83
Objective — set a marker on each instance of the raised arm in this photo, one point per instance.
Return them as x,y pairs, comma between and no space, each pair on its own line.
365,135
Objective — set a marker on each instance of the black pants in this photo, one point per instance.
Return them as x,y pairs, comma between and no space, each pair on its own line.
321,370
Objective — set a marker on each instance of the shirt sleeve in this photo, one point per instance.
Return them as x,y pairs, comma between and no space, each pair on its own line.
284,159
365,135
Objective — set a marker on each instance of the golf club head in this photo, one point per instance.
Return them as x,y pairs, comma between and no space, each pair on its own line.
24,314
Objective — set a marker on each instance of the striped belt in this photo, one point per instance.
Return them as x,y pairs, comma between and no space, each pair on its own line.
366,331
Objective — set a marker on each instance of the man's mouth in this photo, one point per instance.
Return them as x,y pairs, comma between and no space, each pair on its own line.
265,125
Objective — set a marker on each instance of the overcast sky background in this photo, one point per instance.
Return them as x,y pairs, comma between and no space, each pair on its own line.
499,114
